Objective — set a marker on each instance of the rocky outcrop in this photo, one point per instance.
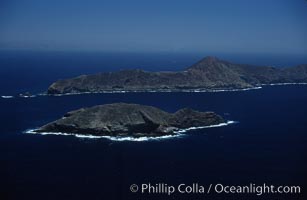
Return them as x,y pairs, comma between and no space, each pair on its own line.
209,73
121,119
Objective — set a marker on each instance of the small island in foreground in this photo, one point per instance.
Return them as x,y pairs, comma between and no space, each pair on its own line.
122,119
208,74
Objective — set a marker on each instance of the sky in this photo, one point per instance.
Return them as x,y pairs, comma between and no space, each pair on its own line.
227,26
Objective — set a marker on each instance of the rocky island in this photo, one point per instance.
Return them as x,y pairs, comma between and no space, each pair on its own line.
122,119
209,73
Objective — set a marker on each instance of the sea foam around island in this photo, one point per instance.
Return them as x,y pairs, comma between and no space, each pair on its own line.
178,134
260,86
154,91
277,84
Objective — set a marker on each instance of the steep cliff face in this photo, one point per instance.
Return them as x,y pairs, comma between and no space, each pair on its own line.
208,73
121,119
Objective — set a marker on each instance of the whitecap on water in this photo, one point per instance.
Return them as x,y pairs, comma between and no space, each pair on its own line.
7,97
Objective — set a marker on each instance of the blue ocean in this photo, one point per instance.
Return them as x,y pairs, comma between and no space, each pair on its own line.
267,144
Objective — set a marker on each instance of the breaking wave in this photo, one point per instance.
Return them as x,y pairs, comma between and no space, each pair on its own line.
203,127
7,97
178,134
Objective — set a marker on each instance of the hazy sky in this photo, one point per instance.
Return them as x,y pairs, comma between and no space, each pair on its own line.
236,26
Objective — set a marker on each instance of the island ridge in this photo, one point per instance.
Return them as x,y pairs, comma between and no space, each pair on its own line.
209,73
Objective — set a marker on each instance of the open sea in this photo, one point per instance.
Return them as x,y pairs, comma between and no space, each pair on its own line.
266,145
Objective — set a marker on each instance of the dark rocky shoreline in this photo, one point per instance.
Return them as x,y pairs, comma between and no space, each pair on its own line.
121,119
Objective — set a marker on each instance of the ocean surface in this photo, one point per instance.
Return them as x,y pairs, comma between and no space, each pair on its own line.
267,144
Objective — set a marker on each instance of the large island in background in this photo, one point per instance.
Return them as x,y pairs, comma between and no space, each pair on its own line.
209,73
122,119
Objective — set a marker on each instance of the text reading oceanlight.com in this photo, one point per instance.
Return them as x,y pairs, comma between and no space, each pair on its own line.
196,188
